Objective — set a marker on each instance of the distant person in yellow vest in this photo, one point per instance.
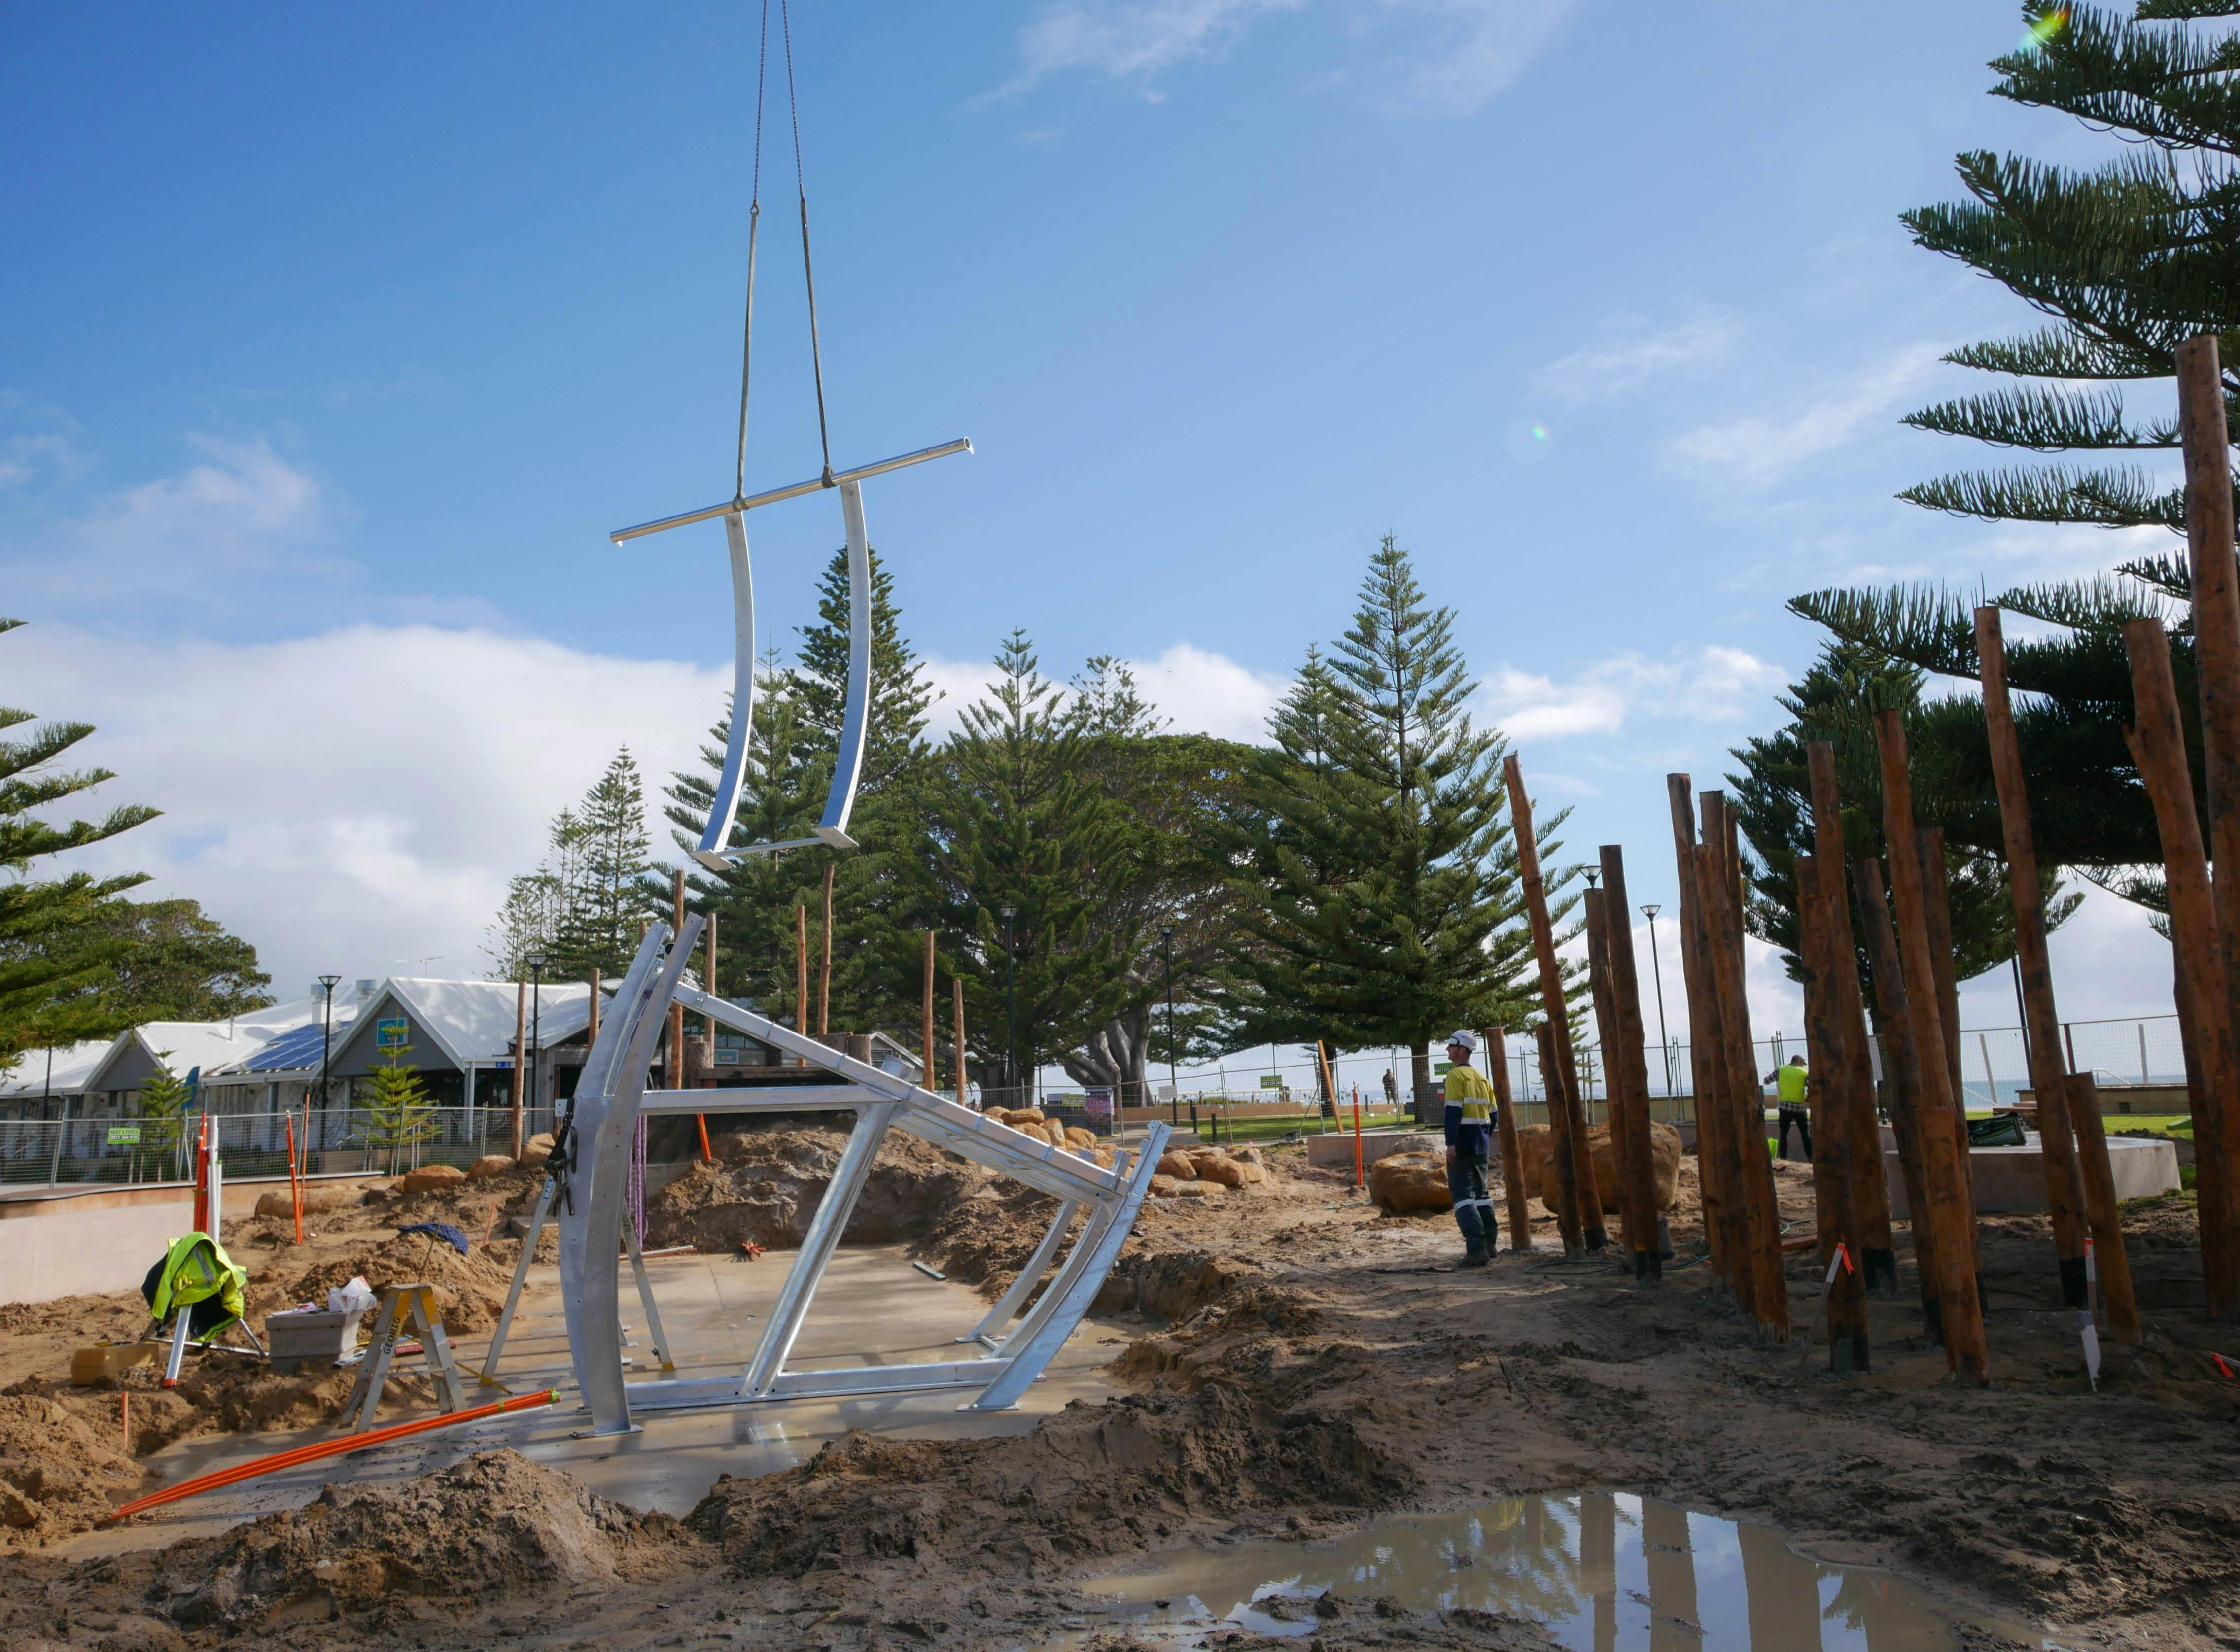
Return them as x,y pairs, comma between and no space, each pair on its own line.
1470,1138
1791,1083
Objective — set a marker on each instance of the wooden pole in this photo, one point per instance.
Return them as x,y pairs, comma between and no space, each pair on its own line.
2157,741
1512,1155
1721,1211
591,1013
931,1079
2112,1260
1950,1210
2208,538
1552,1079
1833,1171
1629,1069
801,969
1902,1068
825,970
2065,1190
520,1043
1853,1088
709,985
2206,439
956,995
1750,1162
1936,911
673,1062
1579,1216
1596,903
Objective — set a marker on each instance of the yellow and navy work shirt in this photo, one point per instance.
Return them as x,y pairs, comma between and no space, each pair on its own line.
1469,1110
1789,1082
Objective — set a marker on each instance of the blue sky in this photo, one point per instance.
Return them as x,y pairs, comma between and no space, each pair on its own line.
332,344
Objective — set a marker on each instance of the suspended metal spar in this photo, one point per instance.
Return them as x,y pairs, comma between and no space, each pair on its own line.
589,1171
714,850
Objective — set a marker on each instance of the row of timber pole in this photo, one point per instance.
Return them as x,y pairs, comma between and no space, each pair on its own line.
1907,940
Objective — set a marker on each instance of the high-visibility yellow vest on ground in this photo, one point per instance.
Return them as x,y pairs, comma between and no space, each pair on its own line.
195,1268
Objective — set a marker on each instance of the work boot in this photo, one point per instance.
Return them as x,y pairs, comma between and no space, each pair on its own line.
1476,1259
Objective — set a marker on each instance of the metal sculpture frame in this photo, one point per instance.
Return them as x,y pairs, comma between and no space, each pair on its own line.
611,1098
714,850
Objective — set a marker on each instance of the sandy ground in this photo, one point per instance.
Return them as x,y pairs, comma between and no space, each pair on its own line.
1304,1363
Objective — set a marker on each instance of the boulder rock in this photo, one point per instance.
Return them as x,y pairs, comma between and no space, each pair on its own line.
1076,1136
1536,1147
489,1165
1403,1183
535,1150
322,1196
1175,1167
428,1178
1015,1117
1219,1169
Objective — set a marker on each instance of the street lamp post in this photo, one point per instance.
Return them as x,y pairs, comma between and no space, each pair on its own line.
1174,1086
537,962
1010,1013
327,1037
1656,972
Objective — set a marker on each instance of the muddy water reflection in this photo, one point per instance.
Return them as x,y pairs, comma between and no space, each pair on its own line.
1604,1572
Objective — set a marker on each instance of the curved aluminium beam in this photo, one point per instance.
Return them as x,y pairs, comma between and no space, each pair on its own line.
848,766
603,1122
723,808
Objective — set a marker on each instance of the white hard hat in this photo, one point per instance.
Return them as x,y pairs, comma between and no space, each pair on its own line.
1467,1040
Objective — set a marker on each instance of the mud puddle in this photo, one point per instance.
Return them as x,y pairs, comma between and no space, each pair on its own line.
1600,1572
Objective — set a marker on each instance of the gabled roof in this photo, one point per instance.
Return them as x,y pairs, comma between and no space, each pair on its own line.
472,1022
74,1064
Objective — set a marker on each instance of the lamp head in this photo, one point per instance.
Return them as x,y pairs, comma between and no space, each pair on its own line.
1651,909
329,982
1008,911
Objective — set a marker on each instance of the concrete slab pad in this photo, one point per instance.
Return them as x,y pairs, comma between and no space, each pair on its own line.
1336,1149
2011,1180
874,1309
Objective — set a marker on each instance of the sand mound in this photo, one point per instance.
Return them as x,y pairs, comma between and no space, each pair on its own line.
1089,1480
471,1288
56,1475
766,1185
492,1525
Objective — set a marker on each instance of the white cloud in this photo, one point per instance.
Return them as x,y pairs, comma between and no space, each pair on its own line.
1446,56
1123,41
1605,372
1201,692
1209,693
1710,684
1754,452
1467,52
242,510
354,799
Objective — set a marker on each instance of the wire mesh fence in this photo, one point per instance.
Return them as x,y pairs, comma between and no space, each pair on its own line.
127,1147
2139,1064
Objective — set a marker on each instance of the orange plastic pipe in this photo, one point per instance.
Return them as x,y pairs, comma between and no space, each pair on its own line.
299,1455
295,1183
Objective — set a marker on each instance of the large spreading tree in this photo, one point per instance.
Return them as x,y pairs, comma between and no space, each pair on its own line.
580,910
799,709
2125,260
1836,702
1375,881
59,948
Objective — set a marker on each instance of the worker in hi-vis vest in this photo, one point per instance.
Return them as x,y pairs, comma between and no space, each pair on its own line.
1469,1139
1792,1084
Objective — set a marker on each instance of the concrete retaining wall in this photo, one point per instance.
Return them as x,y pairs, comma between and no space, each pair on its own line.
83,1247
